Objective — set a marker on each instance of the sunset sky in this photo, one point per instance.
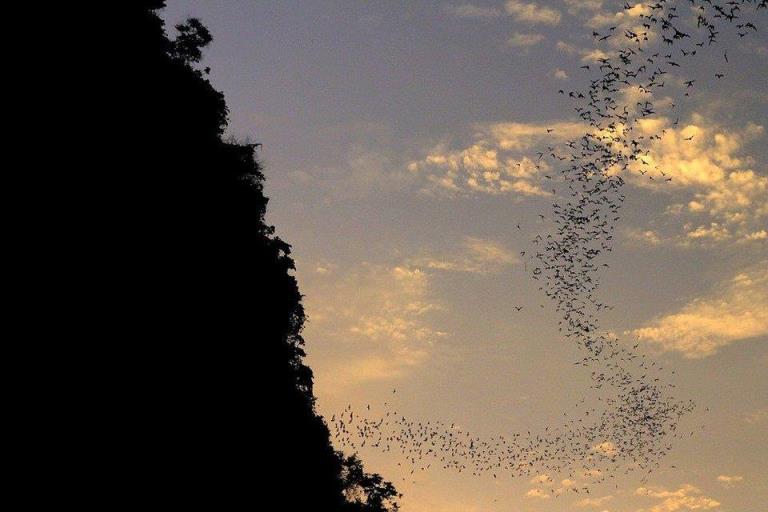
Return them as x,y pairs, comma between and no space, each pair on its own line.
391,135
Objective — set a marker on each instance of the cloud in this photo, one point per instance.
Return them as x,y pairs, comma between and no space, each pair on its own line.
568,48
475,255
620,19
430,503
723,198
686,497
524,40
647,236
532,13
379,314
576,6
727,199
592,473
756,235
521,136
737,310
593,502
560,74
362,172
758,416
370,369
537,493
541,479
628,19
587,55
714,232
473,11
729,481
606,448
382,316
527,12
392,300
501,160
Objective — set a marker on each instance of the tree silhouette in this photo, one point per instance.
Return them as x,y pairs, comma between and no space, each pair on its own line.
217,314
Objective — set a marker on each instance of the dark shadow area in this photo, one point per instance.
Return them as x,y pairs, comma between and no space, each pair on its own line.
199,292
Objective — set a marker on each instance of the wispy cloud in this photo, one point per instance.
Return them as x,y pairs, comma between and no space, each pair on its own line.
644,236
736,310
537,494
473,11
501,160
474,255
586,55
567,48
532,13
621,19
606,448
383,316
577,6
685,497
363,171
518,40
526,12
594,502
729,481
756,417
379,313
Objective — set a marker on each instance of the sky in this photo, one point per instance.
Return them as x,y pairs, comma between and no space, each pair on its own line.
391,135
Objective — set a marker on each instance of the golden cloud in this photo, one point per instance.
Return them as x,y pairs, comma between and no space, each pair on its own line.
705,159
685,497
699,159
621,18
593,502
728,481
527,12
379,313
532,13
541,479
738,310
606,448
473,11
474,255
758,416
519,40
537,493
576,6
501,160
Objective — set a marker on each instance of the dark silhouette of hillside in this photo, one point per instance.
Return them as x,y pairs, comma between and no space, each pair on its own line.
202,300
